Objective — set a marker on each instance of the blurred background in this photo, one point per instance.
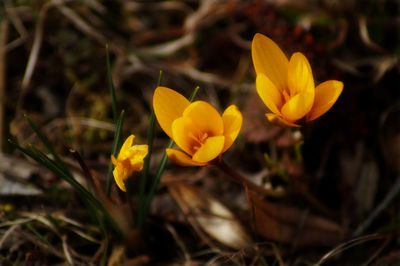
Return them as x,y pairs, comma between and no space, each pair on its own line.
327,181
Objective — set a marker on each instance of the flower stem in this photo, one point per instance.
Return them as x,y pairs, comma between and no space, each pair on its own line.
145,171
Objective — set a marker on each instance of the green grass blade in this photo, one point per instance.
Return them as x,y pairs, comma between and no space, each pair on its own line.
157,177
46,143
118,121
159,81
50,164
297,151
276,168
194,93
23,150
114,105
114,151
146,163
44,160
36,233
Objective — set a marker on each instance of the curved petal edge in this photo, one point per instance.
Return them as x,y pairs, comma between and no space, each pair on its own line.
181,158
168,105
326,94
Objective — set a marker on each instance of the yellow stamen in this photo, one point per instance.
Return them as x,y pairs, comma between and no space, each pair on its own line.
199,139
286,95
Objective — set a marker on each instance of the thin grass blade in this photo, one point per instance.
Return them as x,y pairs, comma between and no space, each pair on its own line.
50,164
111,88
46,143
36,233
115,148
146,163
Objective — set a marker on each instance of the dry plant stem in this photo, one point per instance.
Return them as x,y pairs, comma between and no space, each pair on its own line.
33,239
81,24
16,22
37,42
240,179
7,233
349,244
180,243
88,175
377,252
82,164
3,44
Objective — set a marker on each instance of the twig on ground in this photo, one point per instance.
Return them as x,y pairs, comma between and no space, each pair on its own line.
34,54
15,20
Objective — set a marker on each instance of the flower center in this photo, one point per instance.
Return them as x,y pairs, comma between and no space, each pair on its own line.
286,95
199,138
126,166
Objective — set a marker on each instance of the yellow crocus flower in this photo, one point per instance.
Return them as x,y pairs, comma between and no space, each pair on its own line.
129,160
197,128
287,86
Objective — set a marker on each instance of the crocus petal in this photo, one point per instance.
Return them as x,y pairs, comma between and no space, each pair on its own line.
232,119
299,74
184,132
298,106
120,175
269,60
181,158
138,152
211,148
268,93
130,159
114,160
206,118
279,121
326,95
125,147
168,105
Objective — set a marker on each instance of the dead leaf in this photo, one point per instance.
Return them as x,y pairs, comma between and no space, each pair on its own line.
16,167
13,175
205,212
11,187
287,224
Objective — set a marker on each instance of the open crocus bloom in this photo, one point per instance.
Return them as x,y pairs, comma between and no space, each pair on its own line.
197,128
129,160
287,87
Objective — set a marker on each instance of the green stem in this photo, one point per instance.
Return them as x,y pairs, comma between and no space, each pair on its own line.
154,186
114,151
114,105
146,163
